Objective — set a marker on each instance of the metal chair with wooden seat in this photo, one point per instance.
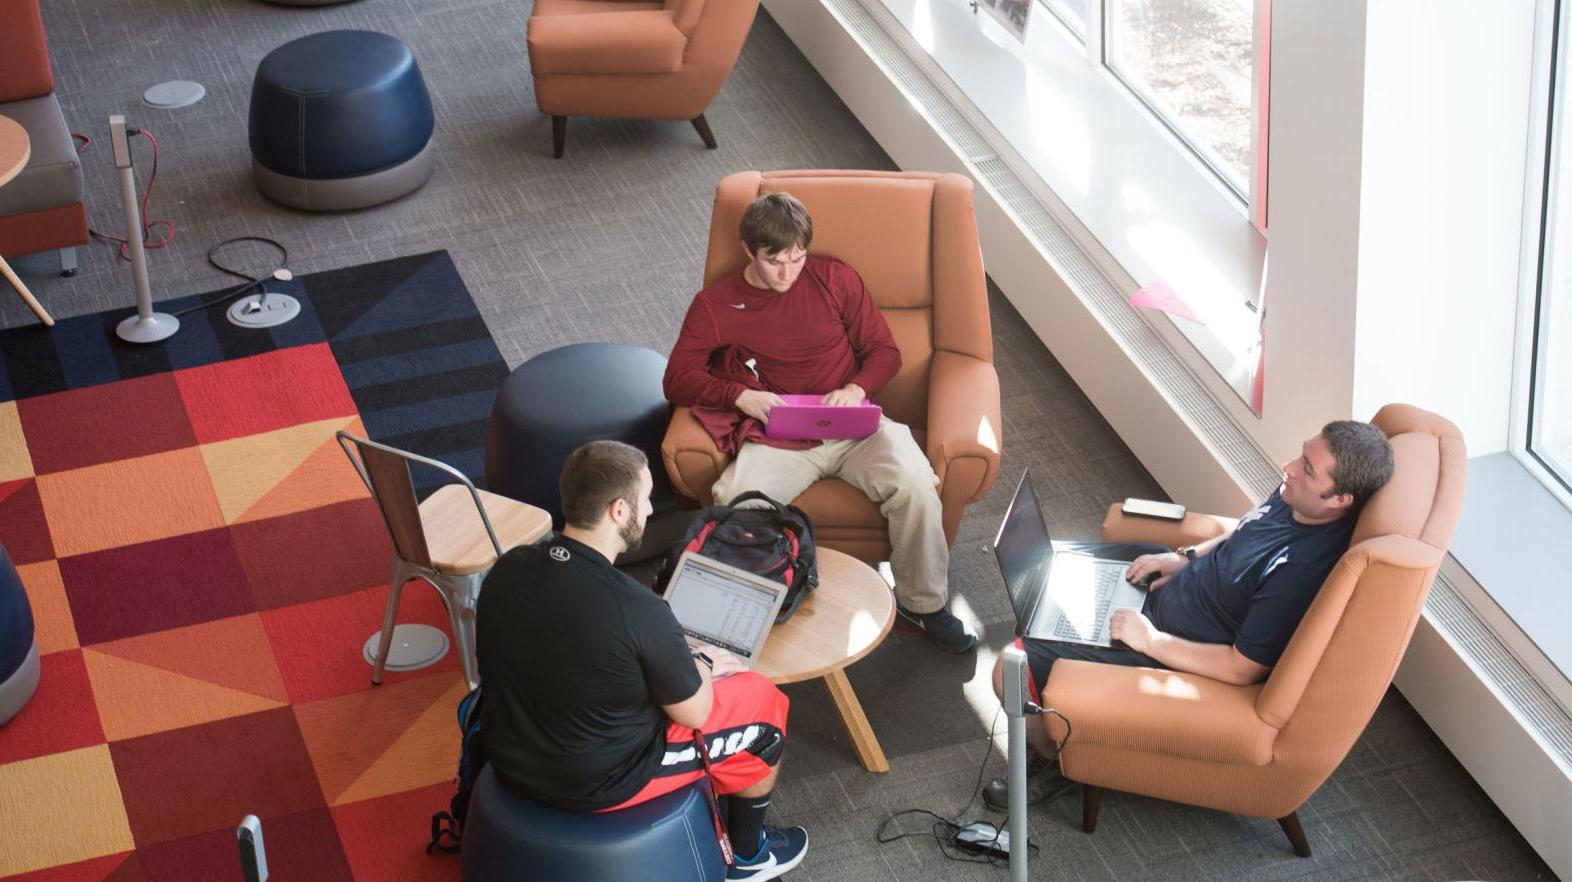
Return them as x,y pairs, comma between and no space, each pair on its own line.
440,540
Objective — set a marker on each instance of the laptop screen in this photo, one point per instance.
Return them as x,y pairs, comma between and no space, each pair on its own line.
1024,551
715,606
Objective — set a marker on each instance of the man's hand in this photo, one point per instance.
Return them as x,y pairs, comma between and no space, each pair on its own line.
1132,629
757,403
725,665
1164,565
848,395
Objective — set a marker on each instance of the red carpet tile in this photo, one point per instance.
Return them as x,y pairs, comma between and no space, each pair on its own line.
204,568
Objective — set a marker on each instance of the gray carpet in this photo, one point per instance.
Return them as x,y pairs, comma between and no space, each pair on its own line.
609,244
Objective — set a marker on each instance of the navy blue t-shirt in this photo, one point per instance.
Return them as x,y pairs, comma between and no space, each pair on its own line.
1254,587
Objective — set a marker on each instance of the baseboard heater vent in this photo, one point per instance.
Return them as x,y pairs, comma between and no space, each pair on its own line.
1191,398
1519,689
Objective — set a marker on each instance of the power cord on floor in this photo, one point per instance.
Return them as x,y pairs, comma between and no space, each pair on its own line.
149,241
946,830
251,282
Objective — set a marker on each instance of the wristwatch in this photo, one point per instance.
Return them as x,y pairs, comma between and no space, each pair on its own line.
708,662
1188,551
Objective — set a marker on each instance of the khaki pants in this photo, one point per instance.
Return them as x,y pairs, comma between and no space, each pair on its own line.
891,469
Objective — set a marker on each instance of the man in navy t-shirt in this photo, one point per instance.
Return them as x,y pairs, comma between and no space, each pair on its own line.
1226,608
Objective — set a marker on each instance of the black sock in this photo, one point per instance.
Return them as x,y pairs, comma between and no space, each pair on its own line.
745,823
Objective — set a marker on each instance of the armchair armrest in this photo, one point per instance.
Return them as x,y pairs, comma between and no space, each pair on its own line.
628,42
692,461
1193,530
1151,710
964,428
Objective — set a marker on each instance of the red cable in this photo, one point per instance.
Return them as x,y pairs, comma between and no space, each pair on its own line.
149,240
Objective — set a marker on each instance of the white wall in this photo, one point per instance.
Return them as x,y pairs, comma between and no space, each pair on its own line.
1447,112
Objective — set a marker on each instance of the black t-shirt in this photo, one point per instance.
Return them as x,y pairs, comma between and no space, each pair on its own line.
577,660
1254,587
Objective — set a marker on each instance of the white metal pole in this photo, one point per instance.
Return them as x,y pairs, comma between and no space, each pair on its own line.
146,326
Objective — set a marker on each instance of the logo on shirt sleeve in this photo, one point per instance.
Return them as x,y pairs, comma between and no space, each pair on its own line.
558,553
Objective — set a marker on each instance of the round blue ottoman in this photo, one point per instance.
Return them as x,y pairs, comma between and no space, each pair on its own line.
566,397
508,838
18,648
340,120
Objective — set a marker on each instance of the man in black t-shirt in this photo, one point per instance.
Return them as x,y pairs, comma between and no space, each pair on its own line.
1226,608
593,697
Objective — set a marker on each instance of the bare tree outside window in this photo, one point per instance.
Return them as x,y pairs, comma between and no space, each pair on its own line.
1190,60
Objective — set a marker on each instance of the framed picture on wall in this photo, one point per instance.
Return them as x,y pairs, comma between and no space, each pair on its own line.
1013,14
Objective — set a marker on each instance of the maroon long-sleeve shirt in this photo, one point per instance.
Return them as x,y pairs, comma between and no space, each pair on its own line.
815,337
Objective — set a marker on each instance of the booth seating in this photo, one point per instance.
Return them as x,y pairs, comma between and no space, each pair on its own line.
508,838
42,208
18,647
340,120
566,397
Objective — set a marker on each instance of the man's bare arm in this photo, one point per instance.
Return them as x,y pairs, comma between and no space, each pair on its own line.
1220,661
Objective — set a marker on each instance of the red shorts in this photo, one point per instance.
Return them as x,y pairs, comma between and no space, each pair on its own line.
745,731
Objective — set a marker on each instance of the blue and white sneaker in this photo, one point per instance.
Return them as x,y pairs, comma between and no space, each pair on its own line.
780,850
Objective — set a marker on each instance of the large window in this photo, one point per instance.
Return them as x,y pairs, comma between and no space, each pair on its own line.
1550,396
1190,61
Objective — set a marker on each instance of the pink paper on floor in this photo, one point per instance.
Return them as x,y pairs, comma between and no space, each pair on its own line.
1157,295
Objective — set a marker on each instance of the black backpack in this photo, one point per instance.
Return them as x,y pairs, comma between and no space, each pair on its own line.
447,828
775,542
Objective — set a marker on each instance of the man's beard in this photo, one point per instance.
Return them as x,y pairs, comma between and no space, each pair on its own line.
631,533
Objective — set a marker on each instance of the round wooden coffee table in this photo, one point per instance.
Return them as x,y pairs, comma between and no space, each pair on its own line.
843,620
15,150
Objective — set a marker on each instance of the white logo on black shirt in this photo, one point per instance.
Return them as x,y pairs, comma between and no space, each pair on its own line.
558,553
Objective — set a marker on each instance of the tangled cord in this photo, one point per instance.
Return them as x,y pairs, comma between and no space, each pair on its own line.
944,830
149,240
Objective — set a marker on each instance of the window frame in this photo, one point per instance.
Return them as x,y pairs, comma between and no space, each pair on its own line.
1552,83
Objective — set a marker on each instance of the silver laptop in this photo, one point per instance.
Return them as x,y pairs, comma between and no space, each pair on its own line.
1057,594
719,605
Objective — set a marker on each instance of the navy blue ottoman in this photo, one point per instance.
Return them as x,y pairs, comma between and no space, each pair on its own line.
340,120
508,838
18,648
566,397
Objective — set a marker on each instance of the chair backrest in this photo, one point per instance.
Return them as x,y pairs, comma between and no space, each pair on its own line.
913,238
24,52
1342,658
716,30
386,473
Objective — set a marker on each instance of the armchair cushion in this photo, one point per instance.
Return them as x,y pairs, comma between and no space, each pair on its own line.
618,42
692,461
53,176
1193,530
1150,710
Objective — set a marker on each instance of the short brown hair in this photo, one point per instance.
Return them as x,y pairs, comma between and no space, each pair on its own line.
1361,459
776,222
596,475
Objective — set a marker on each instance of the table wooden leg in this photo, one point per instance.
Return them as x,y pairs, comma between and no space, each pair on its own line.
27,296
867,744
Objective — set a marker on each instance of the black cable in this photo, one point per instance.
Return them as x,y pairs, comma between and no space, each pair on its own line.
250,281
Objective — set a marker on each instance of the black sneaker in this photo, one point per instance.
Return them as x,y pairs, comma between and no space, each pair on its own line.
780,849
1043,781
942,627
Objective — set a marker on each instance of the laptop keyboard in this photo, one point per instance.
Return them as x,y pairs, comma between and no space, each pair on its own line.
1093,627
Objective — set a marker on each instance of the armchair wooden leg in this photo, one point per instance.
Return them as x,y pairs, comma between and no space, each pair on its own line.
1091,801
1296,833
559,135
702,126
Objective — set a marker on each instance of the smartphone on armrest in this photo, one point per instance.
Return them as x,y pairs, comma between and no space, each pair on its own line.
1151,508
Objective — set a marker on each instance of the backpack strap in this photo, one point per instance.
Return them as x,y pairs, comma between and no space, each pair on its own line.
721,837
759,495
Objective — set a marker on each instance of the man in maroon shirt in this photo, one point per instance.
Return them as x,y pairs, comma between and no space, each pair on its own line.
793,323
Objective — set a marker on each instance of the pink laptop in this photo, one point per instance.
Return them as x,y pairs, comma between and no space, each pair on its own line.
803,417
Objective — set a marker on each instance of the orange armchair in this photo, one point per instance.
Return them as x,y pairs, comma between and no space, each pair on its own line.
913,238
1262,750
644,59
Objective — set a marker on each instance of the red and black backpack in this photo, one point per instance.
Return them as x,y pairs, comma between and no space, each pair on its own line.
774,541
